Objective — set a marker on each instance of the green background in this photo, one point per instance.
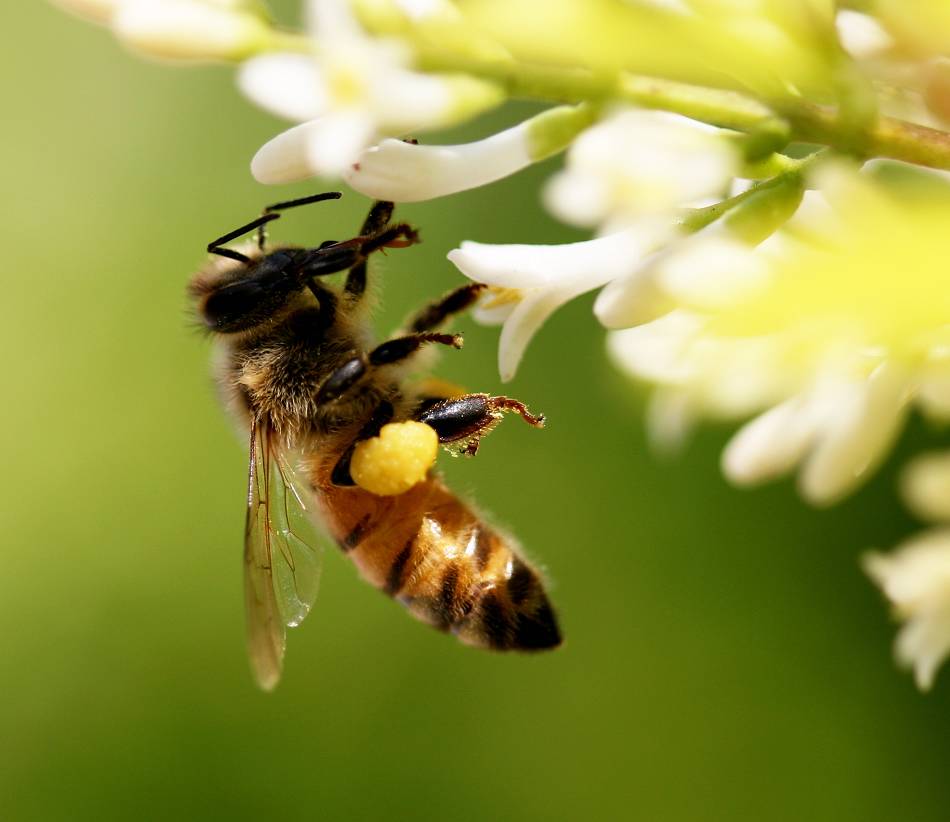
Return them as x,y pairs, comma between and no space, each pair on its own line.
725,657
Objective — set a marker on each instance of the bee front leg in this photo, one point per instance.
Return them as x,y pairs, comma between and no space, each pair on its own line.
377,219
468,418
433,315
381,235
352,254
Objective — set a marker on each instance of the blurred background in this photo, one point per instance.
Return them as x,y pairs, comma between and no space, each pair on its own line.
725,657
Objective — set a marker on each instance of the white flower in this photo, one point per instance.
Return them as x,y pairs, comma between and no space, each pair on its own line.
916,579
840,430
708,269
355,90
187,30
403,172
830,331
640,162
530,282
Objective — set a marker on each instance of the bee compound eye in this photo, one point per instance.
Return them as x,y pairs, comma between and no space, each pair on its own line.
236,306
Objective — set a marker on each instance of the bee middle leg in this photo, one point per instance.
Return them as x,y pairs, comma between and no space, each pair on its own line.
468,418
392,351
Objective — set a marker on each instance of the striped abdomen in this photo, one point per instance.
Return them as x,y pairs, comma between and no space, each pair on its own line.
431,552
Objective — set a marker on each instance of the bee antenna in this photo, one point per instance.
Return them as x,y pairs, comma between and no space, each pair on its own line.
313,198
300,201
214,247
270,213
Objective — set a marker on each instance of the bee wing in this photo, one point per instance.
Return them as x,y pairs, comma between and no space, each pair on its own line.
282,555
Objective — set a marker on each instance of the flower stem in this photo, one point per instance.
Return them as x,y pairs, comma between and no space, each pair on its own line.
697,218
771,125
775,124
888,137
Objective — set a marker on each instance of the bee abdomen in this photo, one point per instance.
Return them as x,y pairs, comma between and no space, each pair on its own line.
431,552
513,616
487,595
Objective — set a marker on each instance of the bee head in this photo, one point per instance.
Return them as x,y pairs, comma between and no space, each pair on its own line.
235,295
245,288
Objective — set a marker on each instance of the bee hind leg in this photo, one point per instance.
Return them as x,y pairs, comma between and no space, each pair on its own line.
341,471
466,419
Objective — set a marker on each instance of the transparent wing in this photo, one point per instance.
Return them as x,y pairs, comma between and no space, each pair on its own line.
282,555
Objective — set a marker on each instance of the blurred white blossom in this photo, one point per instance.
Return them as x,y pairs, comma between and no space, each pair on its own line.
189,30
915,577
640,162
839,324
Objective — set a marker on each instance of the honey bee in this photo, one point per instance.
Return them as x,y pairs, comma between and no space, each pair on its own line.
297,367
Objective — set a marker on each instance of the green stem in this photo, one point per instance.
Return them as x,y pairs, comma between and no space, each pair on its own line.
771,126
697,218
788,120
889,137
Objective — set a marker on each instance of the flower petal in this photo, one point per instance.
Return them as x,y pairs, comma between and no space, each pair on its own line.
523,323
288,85
856,435
189,30
925,484
923,644
403,172
591,263
771,445
285,158
656,351
333,21
406,101
577,198
711,270
635,298
637,162
337,140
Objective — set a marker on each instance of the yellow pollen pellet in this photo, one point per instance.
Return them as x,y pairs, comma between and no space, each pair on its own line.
396,460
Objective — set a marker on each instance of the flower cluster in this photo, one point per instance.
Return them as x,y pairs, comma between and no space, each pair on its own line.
749,261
